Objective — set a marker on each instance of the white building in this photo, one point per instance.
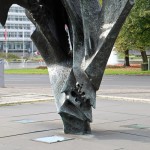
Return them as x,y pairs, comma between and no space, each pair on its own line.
16,35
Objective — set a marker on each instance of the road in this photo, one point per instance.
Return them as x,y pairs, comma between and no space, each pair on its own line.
109,81
27,80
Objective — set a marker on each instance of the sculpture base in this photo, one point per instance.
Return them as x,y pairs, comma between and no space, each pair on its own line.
73,125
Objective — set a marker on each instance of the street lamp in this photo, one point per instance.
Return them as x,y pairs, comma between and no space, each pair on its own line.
32,30
23,39
6,43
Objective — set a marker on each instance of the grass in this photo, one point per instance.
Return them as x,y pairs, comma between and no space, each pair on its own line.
134,69
111,70
125,71
26,71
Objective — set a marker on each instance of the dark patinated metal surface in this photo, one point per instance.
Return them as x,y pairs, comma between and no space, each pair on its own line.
75,38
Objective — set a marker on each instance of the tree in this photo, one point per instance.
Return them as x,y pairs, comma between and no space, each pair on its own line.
122,45
136,30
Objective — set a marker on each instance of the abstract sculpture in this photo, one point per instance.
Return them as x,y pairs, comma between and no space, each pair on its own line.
75,38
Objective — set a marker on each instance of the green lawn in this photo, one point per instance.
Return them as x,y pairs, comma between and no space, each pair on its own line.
26,71
126,71
108,71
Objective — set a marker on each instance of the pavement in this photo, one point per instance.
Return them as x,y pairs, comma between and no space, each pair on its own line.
117,125
28,114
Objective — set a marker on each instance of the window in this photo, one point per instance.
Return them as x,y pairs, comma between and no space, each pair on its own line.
27,34
20,34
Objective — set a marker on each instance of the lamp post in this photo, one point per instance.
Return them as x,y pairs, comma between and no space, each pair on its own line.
6,42
32,30
23,39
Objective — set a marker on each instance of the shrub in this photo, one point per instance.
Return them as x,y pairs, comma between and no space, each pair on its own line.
9,56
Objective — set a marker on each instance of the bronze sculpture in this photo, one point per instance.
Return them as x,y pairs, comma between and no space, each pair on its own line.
75,39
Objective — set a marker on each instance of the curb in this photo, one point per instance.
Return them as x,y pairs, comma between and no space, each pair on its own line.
124,98
26,101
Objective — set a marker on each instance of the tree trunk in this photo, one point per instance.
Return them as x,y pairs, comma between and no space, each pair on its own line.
144,56
144,65
126,59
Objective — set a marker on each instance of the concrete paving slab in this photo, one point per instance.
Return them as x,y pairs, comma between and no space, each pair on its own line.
23,110
123,107
21,129
67,145
113,117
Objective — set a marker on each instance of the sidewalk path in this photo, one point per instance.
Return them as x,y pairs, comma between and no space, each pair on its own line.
117,125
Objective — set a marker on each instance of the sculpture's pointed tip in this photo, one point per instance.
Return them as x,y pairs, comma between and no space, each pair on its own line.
64,88
94,105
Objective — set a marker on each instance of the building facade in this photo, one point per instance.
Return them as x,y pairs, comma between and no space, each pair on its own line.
15,37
